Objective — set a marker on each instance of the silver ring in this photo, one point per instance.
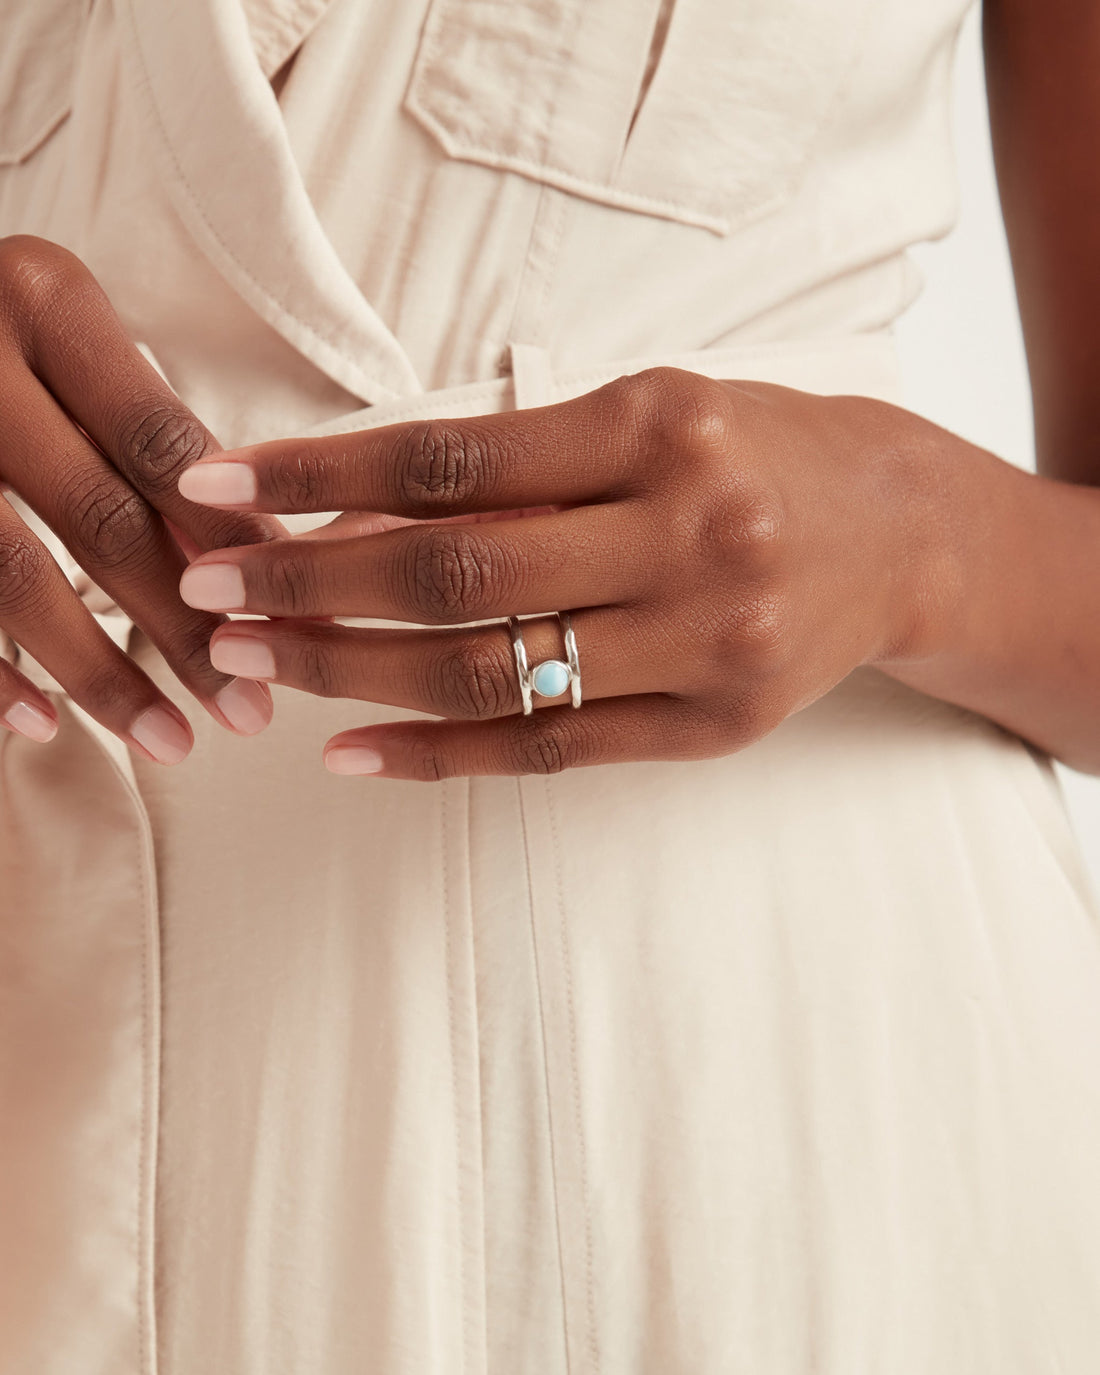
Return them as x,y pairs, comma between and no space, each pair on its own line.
551,677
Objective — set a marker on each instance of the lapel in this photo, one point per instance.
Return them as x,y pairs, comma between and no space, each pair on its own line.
278,26
223,154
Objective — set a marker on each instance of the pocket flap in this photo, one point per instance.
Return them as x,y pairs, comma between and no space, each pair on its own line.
38,48
693,110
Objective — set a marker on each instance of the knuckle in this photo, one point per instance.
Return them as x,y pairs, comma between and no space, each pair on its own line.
746,528
542,744
742,720
677,418
315,669
23,568
426,764
471,683
190,654
284,581
31,267
636,397
157,444
438,465
107,681
34,275
760,526
449,575
760,632
700,728
300,480
701,420
110,524
749,641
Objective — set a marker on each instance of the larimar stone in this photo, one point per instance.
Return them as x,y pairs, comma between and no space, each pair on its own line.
551,678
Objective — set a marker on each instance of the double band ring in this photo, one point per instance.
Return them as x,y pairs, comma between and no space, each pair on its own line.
553,677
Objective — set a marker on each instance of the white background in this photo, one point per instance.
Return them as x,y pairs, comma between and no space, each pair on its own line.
962,354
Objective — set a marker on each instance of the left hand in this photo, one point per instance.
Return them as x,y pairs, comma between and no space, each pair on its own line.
730,552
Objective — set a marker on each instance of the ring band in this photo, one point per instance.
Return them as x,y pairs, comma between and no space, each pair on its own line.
570,636
551,677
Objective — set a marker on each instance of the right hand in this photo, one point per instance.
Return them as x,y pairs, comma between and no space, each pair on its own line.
93,441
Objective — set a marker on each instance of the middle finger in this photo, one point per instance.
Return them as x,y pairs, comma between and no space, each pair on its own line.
436,574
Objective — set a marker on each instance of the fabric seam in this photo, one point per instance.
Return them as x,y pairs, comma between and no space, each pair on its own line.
150,1076
460,1191
590,1296
546,1072
477,1052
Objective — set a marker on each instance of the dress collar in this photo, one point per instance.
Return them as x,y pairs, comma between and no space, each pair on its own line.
226,160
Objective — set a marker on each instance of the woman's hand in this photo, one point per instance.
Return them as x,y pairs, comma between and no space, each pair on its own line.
729,551
93,441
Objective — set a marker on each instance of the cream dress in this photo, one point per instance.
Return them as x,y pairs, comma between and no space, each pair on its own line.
782,1063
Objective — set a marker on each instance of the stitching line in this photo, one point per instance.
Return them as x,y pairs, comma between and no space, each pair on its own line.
519,299
554,203
593,1343
143,1335
460,1199
150,1076
546,1069
150,1084
484,1348
468,151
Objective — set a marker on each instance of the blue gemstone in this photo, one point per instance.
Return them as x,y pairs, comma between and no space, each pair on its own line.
550,679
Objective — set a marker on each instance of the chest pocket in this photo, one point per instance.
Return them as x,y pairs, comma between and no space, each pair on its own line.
703,111
39,41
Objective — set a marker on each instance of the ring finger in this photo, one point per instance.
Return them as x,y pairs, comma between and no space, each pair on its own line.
468,673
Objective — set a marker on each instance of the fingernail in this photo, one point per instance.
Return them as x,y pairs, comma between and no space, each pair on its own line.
29,721
162,735
244,656
219,484
246,706
353,759
213,587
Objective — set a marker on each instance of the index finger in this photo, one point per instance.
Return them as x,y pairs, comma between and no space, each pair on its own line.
584,449
72,340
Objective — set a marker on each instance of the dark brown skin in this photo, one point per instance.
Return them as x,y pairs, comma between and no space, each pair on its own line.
1024,646
740,548
93,440
737,549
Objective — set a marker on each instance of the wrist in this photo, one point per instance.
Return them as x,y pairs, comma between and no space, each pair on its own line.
946,492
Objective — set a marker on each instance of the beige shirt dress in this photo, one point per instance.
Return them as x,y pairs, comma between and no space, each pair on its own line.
781,1063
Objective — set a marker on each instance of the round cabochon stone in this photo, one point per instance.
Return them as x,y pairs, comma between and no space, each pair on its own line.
550,679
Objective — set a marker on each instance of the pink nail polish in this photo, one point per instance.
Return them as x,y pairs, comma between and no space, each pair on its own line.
213,587
162,735
245,705
353,759
245,656
219,484
29,721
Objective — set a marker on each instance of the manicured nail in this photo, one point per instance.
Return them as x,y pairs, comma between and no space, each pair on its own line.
353,759
162,735
245,656
29,721
246,706
213,587
219,484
